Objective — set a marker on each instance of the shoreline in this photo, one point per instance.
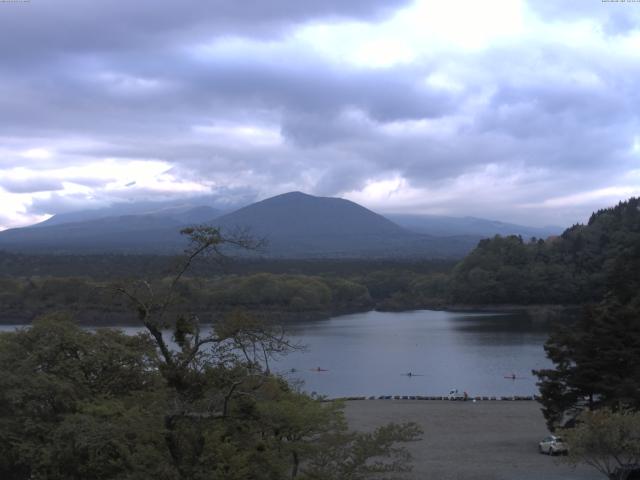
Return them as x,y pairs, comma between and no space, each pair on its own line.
437,398
538,313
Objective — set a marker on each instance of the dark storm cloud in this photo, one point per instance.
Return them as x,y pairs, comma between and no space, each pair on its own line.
94,66
310,85
193,91
69,27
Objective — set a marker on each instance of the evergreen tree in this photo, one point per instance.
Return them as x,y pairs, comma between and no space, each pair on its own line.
575,268
597,359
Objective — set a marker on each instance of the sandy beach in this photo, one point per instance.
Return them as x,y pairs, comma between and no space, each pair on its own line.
493,440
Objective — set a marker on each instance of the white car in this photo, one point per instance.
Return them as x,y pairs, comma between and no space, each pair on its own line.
454,395
553,445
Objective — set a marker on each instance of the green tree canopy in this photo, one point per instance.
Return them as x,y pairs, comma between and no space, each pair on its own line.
606,440
597,359
76,404
574,268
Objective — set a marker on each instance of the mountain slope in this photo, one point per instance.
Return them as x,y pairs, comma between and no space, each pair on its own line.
443,226
300,225
191,211
295,225
129,233
299,214
156,231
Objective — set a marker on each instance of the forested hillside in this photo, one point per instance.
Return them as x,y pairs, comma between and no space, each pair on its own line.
597,358
573,268
275,296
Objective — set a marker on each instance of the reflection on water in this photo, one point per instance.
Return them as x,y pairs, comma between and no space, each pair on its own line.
371,353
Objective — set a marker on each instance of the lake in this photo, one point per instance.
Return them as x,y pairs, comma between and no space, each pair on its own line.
371,353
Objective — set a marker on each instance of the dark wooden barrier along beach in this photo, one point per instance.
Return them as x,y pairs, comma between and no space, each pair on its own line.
515,398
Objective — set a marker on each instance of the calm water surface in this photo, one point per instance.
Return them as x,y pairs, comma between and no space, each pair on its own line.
371,353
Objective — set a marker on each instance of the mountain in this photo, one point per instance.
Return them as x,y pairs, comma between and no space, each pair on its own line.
128,233
184,211
155,230
443,226
294,224
299,225
192,216
298,214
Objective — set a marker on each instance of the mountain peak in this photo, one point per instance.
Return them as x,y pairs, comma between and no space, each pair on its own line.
292,196
319,214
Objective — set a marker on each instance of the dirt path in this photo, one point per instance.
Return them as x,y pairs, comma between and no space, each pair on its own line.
474,441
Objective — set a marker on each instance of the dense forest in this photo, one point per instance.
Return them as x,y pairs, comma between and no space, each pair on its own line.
573,268
279,296
118,266
597,358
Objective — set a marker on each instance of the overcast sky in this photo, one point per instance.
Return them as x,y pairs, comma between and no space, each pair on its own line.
516,110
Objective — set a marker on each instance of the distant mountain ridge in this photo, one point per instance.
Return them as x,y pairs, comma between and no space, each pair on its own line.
184,211
443,226
295,225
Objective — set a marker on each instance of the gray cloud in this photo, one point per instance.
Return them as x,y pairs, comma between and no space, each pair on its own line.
555,119
30,185
219,88
614,17
63,204
71,27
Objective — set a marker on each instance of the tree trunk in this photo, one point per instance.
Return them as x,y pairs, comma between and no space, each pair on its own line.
296,465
